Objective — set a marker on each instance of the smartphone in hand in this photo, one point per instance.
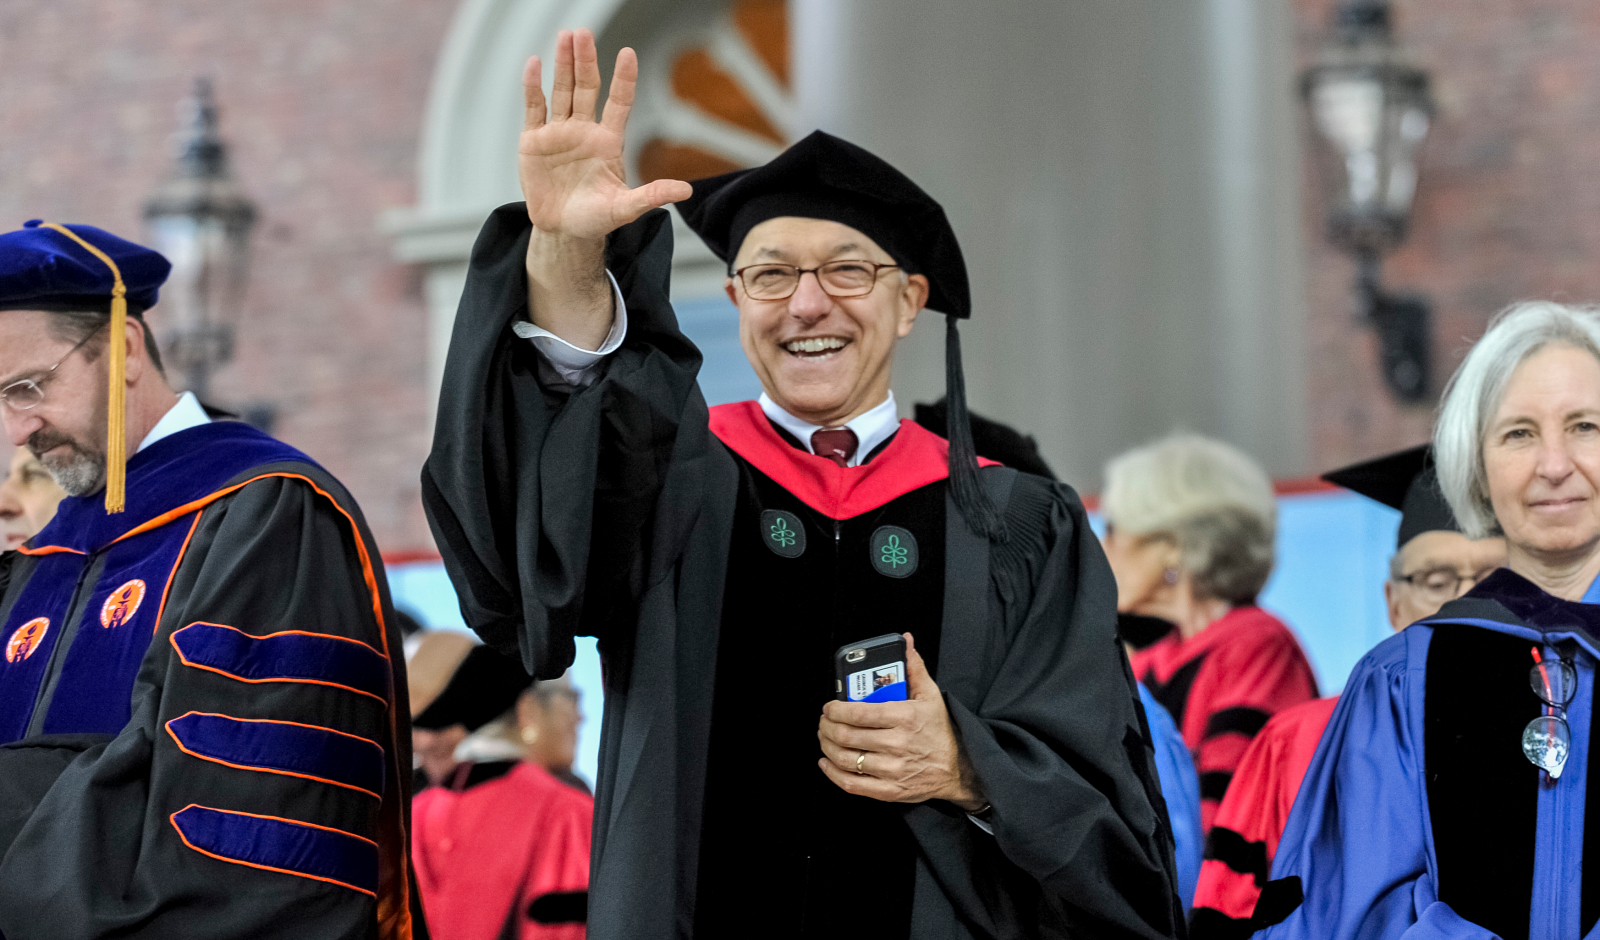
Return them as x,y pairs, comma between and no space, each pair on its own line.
872,670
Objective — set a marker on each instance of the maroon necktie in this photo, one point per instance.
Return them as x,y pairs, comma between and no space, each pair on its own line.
836,444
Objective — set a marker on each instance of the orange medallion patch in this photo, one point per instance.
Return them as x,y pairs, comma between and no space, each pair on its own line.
26,639
122,604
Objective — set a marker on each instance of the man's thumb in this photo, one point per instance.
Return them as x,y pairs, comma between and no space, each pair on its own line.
919,684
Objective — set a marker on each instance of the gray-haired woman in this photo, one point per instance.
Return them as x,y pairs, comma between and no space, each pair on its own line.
1448,796
1189,531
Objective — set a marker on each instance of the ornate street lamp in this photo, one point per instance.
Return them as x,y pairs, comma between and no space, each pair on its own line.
1371,110
200,219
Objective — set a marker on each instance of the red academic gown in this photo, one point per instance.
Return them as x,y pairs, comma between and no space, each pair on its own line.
486,853
1222,685
1244,836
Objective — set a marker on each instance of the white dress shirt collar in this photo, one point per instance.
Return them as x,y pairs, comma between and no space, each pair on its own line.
186,414
872,427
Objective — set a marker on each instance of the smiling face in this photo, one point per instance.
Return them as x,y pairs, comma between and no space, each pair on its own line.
67,430
1541,455
823,359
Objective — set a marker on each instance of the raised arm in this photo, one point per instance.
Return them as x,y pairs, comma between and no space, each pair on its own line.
575,185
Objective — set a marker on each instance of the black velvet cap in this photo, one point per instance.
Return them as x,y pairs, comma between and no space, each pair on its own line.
483,687
823,177
1405,481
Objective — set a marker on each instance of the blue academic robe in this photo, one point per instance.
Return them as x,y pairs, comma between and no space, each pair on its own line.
202,730
1419,816
1180,787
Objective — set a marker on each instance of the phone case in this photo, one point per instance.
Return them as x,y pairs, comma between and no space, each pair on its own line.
872,670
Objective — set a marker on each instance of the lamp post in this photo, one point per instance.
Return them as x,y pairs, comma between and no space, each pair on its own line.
1371,111
200,219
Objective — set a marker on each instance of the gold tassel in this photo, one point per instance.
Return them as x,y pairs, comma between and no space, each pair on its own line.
116,412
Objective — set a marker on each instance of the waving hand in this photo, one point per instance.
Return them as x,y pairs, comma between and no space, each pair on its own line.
569,162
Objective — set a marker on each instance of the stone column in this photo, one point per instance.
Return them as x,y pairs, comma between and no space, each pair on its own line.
1124,178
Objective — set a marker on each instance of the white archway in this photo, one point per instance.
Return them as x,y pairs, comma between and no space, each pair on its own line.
474,114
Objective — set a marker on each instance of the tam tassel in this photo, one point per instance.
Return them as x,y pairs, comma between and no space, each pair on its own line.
116,412
965,489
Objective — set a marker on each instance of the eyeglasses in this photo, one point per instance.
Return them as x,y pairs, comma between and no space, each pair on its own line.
1547,740
1443,584
838,279
28,394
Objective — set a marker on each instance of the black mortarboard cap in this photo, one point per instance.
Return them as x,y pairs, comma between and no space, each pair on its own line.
1405,481
482,688
823,177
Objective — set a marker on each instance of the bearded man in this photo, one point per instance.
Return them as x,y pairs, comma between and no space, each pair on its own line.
202,698
579,485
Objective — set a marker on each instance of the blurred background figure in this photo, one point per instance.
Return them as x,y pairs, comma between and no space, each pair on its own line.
547,718
1180,784
28,498
1433,564
501,845
1189,533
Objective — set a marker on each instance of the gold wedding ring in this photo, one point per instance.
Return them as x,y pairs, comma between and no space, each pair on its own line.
860,758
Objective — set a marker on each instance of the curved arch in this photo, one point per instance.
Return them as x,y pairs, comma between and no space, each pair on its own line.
467,164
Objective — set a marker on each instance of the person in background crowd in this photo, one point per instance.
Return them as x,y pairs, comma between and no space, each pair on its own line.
578,484
501,846
1189,529
1180,785
548,717
457,685
411,631
1433,563
1448,797
201,687
28,498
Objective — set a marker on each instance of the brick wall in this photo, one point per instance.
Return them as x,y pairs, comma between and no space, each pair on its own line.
322,106
1508,205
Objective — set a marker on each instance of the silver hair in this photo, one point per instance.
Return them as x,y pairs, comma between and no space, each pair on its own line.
1210,498
1479,385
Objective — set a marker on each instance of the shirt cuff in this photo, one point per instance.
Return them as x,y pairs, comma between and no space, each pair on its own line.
575,365
986,827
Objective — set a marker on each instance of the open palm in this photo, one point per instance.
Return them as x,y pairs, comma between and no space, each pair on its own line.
571,164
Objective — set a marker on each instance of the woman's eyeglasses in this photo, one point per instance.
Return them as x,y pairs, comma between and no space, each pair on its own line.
1547,740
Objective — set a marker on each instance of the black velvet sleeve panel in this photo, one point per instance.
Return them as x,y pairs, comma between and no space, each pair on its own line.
1057,739
544,505
102,856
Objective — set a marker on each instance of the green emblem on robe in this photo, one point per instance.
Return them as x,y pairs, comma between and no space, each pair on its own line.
783,532
894,551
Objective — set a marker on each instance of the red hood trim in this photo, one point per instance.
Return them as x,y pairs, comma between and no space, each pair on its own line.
915,458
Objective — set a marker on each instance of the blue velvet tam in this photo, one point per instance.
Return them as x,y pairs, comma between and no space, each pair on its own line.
42,269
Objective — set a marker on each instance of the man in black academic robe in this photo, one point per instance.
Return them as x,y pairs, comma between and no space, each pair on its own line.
202,696
720,557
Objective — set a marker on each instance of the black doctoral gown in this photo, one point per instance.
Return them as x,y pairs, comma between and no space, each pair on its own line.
202,728
719,568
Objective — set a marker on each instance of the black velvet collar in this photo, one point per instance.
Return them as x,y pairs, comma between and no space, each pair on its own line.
1510,598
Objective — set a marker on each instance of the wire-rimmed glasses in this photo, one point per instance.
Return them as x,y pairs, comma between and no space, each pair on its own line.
28,394
1547,740
771,280
1443,584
